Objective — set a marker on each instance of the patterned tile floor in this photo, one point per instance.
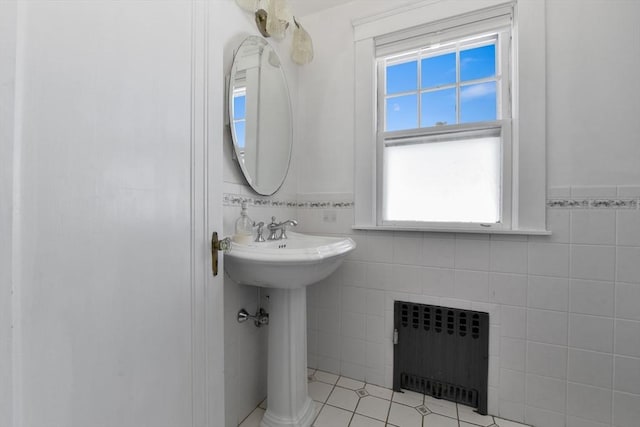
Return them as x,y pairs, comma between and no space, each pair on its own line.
343,402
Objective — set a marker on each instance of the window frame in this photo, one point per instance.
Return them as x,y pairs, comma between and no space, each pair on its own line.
500,36
524,178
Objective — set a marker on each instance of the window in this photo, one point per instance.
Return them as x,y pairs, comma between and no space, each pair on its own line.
443,121
438,142
239,114
457,82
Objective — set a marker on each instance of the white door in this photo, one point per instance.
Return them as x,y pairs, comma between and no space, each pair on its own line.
117,319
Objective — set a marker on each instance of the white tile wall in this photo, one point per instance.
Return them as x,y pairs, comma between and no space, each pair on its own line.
471,285
627,338
548,259
545,393
593,227
547,360
591,332
543,417
565,311
581,422
472,254
625,409
593,191
628,264
591,403
627,297
590,367
512,353
513,322
508,289
593,262
547,326
627,374
512,385
628,232
590,297
550,293
438,252
508,257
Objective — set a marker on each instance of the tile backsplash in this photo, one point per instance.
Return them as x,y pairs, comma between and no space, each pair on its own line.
623,197
291,202
565,322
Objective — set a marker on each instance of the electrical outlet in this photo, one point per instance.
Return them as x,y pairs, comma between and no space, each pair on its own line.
329,216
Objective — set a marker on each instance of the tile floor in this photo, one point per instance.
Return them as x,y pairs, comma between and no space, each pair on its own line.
343,402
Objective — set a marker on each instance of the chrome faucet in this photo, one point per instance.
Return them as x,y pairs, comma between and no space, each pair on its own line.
274,227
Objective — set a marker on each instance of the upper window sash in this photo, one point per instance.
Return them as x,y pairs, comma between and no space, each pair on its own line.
502,76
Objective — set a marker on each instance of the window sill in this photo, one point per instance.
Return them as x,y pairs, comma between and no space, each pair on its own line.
452,230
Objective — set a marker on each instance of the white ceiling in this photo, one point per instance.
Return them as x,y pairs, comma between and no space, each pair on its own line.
306,7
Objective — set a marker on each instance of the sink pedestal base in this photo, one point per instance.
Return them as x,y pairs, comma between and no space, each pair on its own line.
288,404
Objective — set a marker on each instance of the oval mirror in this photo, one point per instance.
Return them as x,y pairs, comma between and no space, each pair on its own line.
260,115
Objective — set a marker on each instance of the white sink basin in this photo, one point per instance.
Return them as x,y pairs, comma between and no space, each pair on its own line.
298,261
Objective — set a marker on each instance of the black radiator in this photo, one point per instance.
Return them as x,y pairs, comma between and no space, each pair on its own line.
442,352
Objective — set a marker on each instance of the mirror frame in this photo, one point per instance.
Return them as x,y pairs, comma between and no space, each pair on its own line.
262,190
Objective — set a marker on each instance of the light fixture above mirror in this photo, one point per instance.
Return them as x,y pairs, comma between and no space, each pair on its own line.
273,18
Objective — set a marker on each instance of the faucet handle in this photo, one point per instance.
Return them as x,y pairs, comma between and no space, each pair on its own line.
273,228
259,237
284,227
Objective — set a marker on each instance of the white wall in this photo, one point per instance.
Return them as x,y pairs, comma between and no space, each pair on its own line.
326,94
564,329
7,79
593,56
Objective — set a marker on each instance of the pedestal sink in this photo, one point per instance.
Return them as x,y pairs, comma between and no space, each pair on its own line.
287,267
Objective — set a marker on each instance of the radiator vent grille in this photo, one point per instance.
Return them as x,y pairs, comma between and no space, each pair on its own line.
439,389
442,352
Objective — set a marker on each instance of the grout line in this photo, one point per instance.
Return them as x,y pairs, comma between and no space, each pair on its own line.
250,413
318,414
615,317
569,305
386,421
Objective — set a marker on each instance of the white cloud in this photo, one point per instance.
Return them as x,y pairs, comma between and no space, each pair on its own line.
477,91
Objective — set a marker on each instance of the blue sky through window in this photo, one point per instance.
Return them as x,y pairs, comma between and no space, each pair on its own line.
239,119
439,70
478,63
477,102
239,108
240,133
438,108
402,77
402,112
